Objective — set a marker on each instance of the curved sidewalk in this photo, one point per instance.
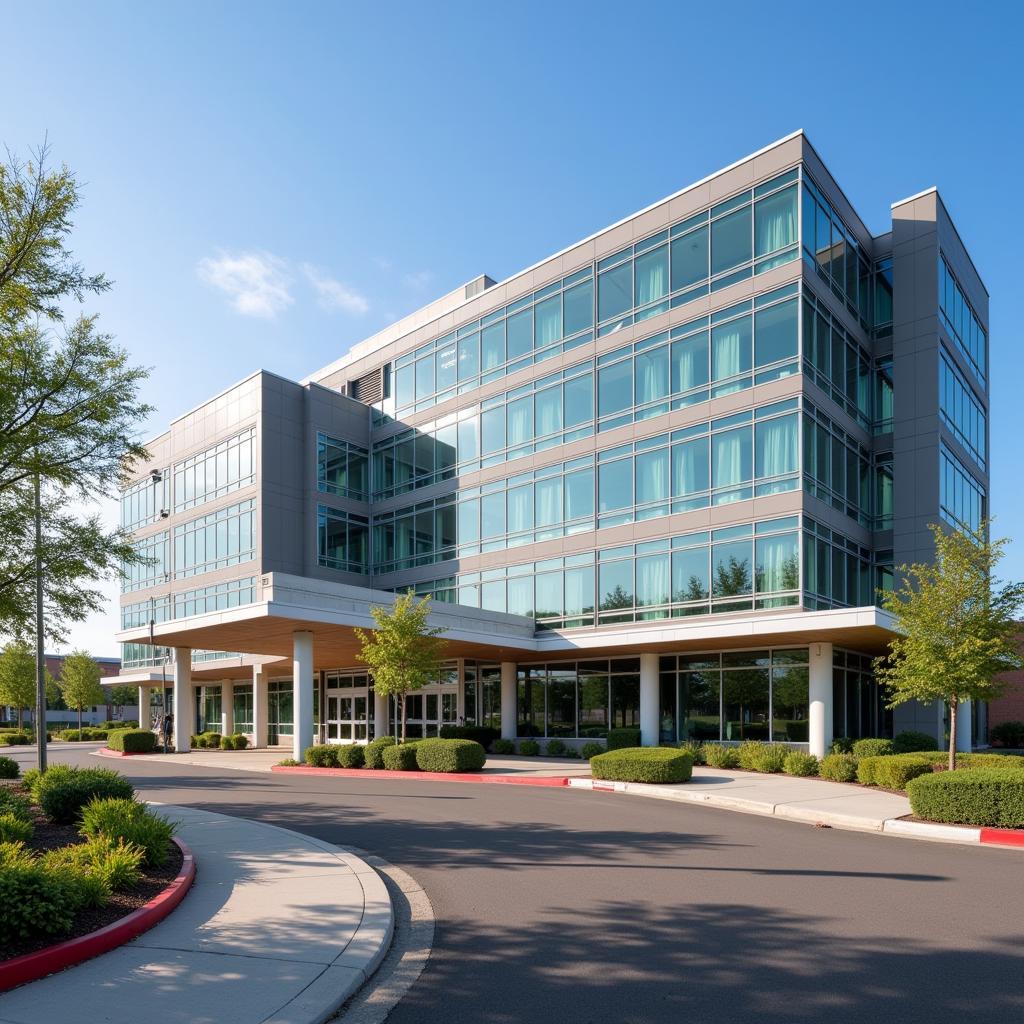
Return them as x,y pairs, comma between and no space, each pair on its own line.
279,928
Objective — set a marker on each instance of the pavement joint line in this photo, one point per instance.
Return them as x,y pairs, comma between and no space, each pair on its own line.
233,955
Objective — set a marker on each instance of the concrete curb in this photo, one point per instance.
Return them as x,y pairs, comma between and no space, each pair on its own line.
899,827
33,966
371,773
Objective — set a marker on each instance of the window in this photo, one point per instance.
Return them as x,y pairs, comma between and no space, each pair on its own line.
652,476
615,485
731,460
962,500
775,443
549,321
342,540
775,333
615,387
520,334
961,411
690,467
341,468
219,470
615,292
775,222
215,541
691,576
690,362
579,400
469,357
578,308
690,258
142,503
492,344
651,275
155,549
730,241
731,349
651,375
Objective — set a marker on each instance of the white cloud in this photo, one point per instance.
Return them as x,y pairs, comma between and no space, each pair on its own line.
333,294
419,280
256,283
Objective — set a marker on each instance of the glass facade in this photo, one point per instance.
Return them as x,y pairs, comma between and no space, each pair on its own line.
142,503
217,540
155,549
961,410
342,468
962,499
342,540
219,470
960,319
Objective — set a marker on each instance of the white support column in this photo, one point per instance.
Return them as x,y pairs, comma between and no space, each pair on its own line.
259,706
302,692
184,699
650,700
508,700
820,717
227,708
381,726
145,712
963,727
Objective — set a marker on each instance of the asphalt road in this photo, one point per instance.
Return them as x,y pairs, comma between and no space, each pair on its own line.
574,907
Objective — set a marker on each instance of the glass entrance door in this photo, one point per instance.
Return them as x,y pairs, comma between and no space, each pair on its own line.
280,712
349,707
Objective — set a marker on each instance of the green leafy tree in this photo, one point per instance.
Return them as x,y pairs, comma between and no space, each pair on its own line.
120,696
80,683
403,652
69,407
956,623
18,679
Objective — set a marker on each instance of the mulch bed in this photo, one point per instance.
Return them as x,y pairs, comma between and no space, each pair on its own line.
48,836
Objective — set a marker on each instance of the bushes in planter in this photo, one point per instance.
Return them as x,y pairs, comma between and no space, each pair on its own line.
891,772
838,768
718,756
9,768
910,740
873,748
485,735
440,755
643,764
127,821
800,764
321,755
529,748
119,723
236,741
15,739
841,745
400,758
1007,734
555,748
36,902
85,734
694,748
116,863
350,755
63,791
992,797
14,828
16,804
373,754
589,750
500,746
619,739
206,739
132,741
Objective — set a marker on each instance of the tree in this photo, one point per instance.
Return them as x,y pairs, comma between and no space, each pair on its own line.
956,624
80,683
732,578
403,652
18,679
119,696
69,408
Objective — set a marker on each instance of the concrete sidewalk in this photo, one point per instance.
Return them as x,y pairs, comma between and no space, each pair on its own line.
811,800
278,928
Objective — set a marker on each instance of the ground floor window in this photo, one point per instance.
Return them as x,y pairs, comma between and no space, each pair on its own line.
482,695
241,703
280,711
208,708
858,702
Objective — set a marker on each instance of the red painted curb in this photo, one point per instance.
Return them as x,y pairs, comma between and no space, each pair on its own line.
33,966
370,773
1003,836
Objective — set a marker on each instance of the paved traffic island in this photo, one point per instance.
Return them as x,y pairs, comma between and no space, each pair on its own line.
278,927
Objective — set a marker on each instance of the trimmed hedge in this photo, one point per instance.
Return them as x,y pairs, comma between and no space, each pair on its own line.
589,750
119,723
350,755
643,764
500,746
873,748
800,764
15,739
555,748
236,741
373,754
321,755
1007,734
206,739
910,740
718,756
987,797
9,768
485,735
891,772
622,739
132,741
62,791
529,748
85,734
841,745
440,755
401,758
838,768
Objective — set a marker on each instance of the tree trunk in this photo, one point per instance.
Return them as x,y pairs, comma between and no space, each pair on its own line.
952,734
79,723
402,700
21,719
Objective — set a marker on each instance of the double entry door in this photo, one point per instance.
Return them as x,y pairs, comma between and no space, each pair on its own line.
349,701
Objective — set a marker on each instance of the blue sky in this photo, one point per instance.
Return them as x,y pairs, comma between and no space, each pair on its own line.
269,183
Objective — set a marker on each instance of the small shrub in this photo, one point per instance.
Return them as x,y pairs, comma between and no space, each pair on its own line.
350,755
373,754
287,762
15,739
132,741
800,764
239,741
749,753
841,745
908,741
643,764
227,742
437,755
1007,734
694,748
986,797
891,772
15,803
873,748
770,758
592,749
838,767
36,902
572,753
400,758
529,748
500,746
197,740
128,821
485,735
555,748
212,740
119,723
321,755
619,739
118,864
718,756
14,828
62,791
9,768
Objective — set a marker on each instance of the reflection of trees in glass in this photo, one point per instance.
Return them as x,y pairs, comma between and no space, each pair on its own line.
695,590
791,573
747,689
617,598
790,692
732,577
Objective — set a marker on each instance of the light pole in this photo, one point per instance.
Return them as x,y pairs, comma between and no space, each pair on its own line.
40,662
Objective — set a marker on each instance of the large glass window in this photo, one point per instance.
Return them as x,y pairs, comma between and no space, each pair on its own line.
775,444
615,387
691,578
343,540
217,540
731,457
219,470
615,291
962,499
652,476
690,258
775,222
492,345
651,272
730,240
651,375
342,468
775,334
690,467
731,349
615,485
745,703
961,411
731,570
578,308
520,333
579,400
